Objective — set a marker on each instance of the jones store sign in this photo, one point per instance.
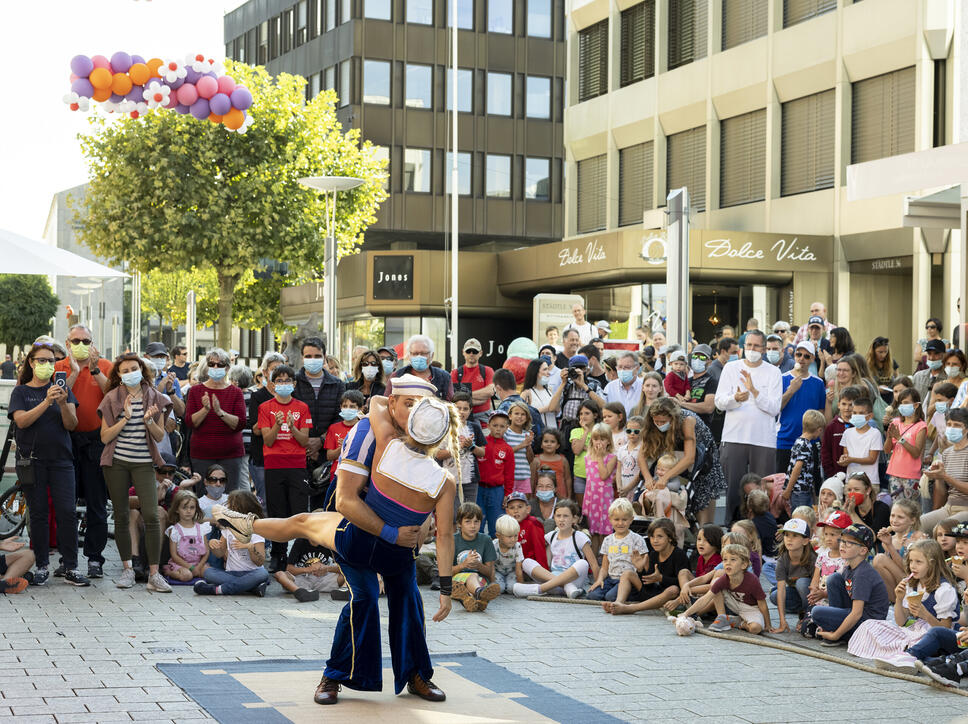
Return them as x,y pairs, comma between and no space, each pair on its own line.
392,277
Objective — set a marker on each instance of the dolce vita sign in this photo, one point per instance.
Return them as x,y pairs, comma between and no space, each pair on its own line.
768,252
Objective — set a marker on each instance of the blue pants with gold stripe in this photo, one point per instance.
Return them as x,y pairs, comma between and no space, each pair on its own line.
356,657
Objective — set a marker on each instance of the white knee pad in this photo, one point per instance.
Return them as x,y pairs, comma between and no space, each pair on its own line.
581,568
528,565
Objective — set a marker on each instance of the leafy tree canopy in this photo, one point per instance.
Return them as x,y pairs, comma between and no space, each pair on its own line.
26,305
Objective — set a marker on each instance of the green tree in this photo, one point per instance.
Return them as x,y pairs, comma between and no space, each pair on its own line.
164,294
26,305
169,193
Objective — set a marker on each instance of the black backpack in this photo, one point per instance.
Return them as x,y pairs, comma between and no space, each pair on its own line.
461,386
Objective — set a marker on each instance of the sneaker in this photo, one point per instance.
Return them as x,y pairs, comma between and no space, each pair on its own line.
947,673
340,594
305,596
903,663
460,593
60,571
735,621
126,579
157,583
76,578
832,644
95,570
260,590
239,523
808,628
523,590
204,589
721,624
41,575
488,593
14,585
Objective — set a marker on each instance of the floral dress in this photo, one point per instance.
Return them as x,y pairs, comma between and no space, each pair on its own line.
710,482
599,494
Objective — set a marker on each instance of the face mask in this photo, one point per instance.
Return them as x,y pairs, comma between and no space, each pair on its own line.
156,363
663,428
858,421
772,356
387,366
131,379
349,414
216,373
663,349
906,410
419,363
733,357
545,380
284,389
265,381
753,356
215,491
954,434
545,495
313,365
934,364
43,371
941,407
698,366
369,371
952,371
81,351
626,376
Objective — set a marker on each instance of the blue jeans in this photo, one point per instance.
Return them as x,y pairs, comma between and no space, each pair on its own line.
769,570
607,592
938,641
798,499
236,581
796,598
830,617
491,499
258,475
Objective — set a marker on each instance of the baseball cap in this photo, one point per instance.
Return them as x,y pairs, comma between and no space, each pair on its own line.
795,525
860,533
603,324
499,413
516,495
388,350
837,519
155,348
815,319
702,349
677,355
169,461
934,345
472,344
960,530
808,346
579,360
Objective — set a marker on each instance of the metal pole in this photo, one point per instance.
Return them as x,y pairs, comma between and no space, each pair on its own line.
190,325
135,342
329,311
677,268
454,190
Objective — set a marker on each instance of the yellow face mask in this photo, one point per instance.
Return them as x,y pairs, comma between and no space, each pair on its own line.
43,371
81,351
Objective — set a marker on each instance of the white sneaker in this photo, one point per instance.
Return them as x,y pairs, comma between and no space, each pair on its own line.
239,523
127,578
157,583
523,590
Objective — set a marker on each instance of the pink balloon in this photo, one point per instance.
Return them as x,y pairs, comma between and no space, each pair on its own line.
226,85
187,94
101,62
206,87
172,100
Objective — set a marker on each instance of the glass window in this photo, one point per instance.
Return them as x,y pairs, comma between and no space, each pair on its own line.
638,43
346,11
416,170
463,172
377,9
537,178
382,153
419,86
687,31
539,97
465,14
264,43
593,61
314,85
317,20
498,181
345,89
420,11
500,16
376,82
499,94
331,14
329,78
465,90
539,18
302,22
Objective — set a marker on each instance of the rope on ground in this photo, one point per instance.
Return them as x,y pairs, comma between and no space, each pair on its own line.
565,599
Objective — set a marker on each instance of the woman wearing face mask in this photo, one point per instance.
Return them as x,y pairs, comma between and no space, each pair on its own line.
43,416
537,393
955,366
215,412
368,376
257,470
132,423
950,474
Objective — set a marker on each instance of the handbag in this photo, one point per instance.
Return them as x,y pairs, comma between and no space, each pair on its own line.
26,472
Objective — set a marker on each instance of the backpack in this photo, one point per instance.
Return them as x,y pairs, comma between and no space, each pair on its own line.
574,542
461,386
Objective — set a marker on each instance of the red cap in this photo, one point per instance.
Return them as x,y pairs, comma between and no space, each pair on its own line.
837,519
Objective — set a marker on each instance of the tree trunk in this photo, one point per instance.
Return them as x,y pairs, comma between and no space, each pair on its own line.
226,297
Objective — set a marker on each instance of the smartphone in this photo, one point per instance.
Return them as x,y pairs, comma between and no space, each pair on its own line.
60,379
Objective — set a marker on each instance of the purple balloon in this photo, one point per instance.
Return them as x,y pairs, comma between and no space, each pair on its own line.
192,76
137,59
220,104
115,98
136,94
241,98
211,74
181,109
120,62
200,109
81,66
176,85
83,87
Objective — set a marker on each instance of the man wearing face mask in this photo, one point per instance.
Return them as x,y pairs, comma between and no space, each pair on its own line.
321,391
156,357
702,392
88,380
727,350
475,379
775,354
749,393
627,389
420,350
388,359
925,379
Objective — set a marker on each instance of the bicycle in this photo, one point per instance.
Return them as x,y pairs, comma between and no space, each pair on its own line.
13,503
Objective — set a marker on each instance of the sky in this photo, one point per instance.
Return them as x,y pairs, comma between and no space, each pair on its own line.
39,152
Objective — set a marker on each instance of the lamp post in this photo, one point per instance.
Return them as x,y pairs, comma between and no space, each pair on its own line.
330,185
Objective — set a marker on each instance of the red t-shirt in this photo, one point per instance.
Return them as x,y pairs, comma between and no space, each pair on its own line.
703,566
472,376
335,435
87,391
531,538
285,452
497,466
675,385
749,591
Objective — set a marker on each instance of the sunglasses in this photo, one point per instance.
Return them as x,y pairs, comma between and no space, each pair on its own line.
79,341
217,364
472,351
210,479
802,354
632,431
48,345
930,326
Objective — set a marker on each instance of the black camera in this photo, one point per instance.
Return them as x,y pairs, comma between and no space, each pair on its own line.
574,373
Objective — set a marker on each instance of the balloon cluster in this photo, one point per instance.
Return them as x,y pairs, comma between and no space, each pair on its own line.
130,84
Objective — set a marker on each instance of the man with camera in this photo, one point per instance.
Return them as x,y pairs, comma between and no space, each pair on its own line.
577,386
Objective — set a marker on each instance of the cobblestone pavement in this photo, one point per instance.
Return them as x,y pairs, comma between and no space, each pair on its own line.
82,655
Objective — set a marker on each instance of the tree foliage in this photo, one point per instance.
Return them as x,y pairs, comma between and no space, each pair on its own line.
170,194
26,305
165,294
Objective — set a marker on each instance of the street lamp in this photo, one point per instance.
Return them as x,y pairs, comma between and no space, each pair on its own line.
331,185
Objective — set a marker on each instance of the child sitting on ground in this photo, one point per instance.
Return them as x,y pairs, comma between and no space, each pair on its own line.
474,558
571,555
668,501
738,591
507,566
310,571
18,560
215,494
244,571
755,546
794,572
617,550
709,543
532,533
663,570
828,555
903,531
187,542
761,529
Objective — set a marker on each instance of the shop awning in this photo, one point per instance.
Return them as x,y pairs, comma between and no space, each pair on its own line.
28,256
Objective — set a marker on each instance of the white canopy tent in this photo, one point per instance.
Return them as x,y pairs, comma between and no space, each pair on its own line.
21,255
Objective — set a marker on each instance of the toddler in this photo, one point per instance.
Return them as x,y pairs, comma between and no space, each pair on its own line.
600,467
507,565
828,555
794,570
571,555
186,534
310,571
350,405
617,550
667,500
520,437
243,561
550,458
803,472
474,558
738,591
532,532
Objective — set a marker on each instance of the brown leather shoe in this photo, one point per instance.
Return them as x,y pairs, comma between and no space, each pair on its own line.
327,692
424,689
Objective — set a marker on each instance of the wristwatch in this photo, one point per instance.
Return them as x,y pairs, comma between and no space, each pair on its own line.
97,371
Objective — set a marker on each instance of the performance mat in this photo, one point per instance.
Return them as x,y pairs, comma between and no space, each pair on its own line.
274,691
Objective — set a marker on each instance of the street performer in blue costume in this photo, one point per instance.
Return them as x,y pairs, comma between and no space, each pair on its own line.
379,534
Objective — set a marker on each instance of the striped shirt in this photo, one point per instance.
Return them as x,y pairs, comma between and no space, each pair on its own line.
132,445
522,469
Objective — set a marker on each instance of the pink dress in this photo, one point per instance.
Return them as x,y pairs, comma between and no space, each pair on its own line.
599,494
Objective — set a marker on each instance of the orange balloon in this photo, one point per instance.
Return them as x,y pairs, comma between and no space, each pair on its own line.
140,73
233,119
100,78
121,84
153,65
101,94
214,119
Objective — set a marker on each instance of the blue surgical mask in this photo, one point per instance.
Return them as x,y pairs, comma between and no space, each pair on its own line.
387,366
952,371
941,407
314,365
626,376
348,414
216,373
934,364
131,379
858,421
733,357
545,495
663,427
698,366
419,362
772,356
284,389
215,491
954,434
906,410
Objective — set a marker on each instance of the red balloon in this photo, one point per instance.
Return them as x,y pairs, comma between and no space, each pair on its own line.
517,365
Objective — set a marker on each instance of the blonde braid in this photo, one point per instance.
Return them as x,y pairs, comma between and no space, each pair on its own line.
455,447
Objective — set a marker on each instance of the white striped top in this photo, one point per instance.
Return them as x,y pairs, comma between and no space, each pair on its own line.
132,442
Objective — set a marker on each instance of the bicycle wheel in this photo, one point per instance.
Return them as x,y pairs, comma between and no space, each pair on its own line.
13,512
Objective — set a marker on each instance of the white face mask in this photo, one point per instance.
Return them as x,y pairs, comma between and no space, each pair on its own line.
753,355
369,371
